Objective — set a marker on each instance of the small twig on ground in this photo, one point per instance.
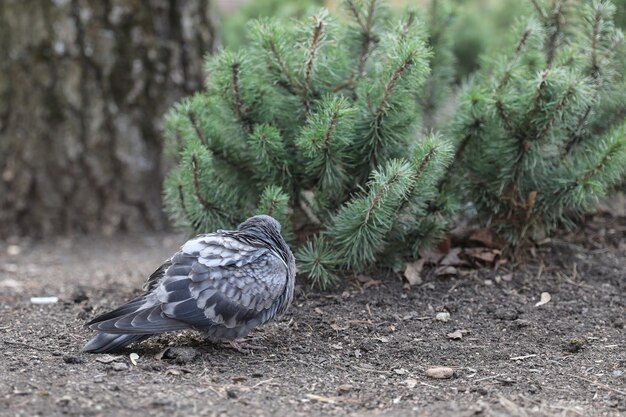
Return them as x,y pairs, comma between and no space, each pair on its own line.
599,384
310,364
486,378
540,271
358,368
519,358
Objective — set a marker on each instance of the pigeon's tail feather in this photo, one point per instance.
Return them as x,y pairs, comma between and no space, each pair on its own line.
130,307
146,321
107,342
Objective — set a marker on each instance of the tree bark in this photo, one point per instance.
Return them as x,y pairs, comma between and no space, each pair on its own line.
83,88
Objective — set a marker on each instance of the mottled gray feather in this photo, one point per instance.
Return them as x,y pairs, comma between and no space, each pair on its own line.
224,284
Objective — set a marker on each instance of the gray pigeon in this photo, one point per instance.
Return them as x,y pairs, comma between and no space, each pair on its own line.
223,284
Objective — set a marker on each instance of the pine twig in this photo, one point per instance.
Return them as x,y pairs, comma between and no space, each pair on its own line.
389,87
539,9
240,112
379,195
288,84
516,53
595,39
196,128
196,187
181,200
311,53
556,111
551,43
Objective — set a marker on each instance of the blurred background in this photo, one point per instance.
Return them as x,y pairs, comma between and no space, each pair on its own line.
84,85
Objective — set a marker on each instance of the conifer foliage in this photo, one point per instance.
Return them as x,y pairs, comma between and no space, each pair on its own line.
315,123
541,132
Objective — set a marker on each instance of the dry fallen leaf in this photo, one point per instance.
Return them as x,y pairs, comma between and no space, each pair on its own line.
363,278
371,283
545,298
413,270
483,254
452,258
445,270
483,236
159,355
172,371
430,256
457,334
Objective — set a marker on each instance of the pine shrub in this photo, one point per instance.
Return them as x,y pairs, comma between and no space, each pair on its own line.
540,130
315,122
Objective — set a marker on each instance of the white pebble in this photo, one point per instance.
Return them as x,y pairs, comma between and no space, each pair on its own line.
443,316
440,372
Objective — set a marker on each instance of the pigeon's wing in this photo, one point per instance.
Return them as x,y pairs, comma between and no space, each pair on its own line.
215,279
218,279
153,280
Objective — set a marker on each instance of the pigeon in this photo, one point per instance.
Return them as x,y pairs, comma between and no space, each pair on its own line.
223,284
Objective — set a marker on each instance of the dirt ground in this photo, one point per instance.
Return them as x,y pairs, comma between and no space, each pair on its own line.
360,350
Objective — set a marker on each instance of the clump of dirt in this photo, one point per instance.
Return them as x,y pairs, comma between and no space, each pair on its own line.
367,348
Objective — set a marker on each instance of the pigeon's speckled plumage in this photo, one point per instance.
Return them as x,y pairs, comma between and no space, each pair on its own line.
223,284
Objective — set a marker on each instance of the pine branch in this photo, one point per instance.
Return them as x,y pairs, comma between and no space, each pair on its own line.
240,112
196,128
310,59
577,133
366,41
555,29
539,10
407,24
197,190
595,39
391,83
504,117
516,54
417,174
569,93
181,200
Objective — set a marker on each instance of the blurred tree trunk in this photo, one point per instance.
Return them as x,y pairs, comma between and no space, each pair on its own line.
83,87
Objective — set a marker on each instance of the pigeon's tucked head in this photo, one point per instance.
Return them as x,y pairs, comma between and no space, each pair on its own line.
261,224
267,229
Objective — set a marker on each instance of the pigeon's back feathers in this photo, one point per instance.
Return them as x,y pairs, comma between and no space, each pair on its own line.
223,284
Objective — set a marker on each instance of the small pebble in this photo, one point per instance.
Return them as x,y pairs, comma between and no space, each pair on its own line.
72,359
181,355
345,387
575,344
440,372
119,366
14,250
443,316
504,314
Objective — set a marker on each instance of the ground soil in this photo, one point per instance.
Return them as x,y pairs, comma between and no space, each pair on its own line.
362,349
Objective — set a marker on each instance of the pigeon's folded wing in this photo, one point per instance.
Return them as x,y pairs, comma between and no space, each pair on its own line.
215,279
